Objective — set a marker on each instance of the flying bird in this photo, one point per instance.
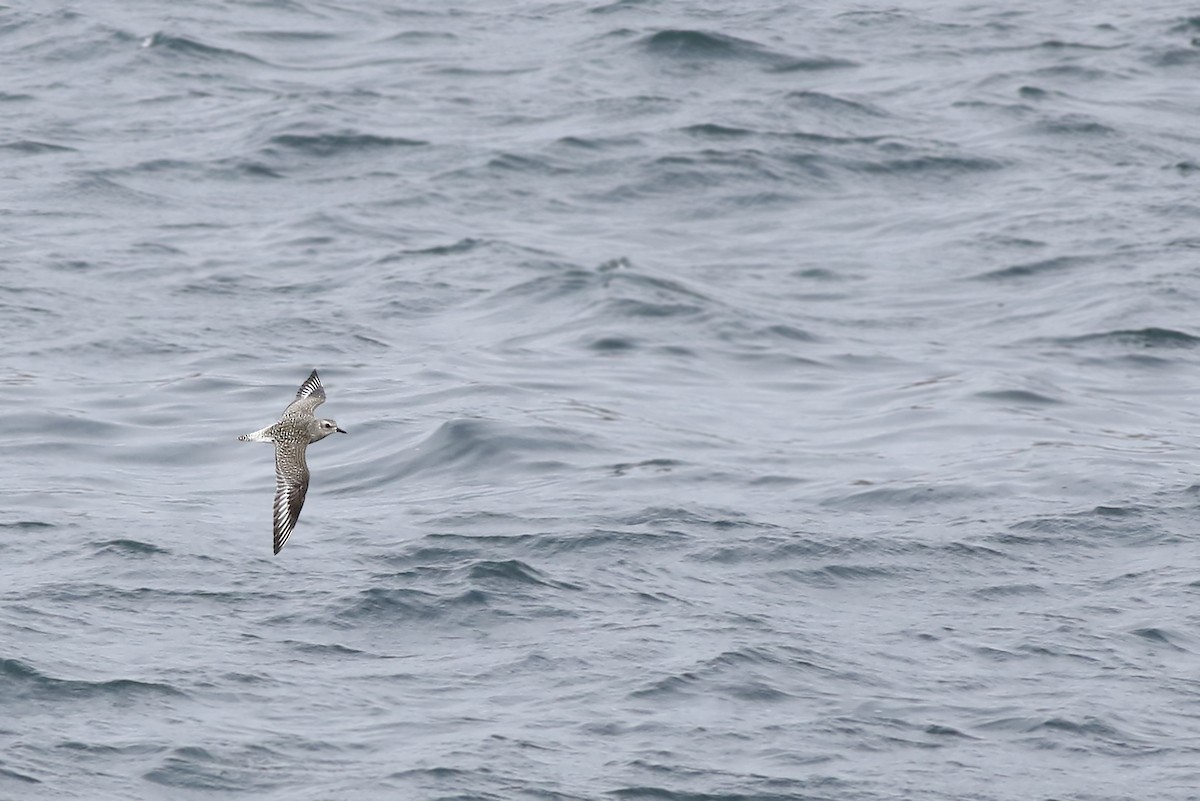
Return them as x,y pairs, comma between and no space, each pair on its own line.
294,432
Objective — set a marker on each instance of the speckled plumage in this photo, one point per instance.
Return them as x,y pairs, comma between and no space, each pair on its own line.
294,432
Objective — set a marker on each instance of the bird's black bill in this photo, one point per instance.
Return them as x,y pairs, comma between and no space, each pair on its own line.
340,431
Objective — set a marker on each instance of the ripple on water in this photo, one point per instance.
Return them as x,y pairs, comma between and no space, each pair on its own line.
19,681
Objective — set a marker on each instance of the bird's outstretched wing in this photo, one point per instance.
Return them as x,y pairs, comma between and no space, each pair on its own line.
310,395
291,485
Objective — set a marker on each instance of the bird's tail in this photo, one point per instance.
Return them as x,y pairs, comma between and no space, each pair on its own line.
261,435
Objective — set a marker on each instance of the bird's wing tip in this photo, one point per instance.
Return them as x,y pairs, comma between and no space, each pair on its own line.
311,386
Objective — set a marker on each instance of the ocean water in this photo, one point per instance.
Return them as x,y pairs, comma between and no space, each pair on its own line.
747,401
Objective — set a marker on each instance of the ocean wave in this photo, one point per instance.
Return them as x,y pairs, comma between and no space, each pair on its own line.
19,681
705,46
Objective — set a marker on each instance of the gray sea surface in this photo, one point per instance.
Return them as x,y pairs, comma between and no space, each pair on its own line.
746,401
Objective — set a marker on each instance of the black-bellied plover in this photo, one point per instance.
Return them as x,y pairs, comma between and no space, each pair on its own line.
294,432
